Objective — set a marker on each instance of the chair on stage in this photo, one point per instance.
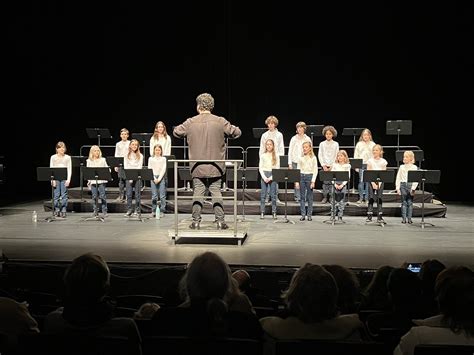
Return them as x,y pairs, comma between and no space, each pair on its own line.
51,175
422,177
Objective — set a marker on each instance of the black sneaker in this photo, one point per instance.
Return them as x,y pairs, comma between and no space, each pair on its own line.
303,218
410,221
404,220
63,215
222,225
310,218
195,225
380,219
128,214
369,218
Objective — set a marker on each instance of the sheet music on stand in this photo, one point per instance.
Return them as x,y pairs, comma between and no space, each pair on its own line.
399,128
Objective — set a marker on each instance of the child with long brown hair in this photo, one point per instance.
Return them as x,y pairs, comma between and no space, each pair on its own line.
61,160
133,160
341,164
268,161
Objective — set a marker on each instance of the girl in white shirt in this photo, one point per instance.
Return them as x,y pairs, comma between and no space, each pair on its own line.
268,161
295,151
133,160
308,165
327,156
341,164
161,137
97,187
376,188
158,185
363,150
61,160
121,150
404,188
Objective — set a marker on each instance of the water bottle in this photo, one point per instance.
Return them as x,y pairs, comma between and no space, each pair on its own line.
34,217
157,212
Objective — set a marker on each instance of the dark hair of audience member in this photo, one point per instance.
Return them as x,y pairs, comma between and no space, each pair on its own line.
87,279
312,294
429,271
348,286
455,294
404,288
376,292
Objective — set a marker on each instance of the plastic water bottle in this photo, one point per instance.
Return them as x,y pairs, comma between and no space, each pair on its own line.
34,217
157,212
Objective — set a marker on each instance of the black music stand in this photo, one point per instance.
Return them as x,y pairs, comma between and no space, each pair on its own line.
98,133
419,156
257,132
378,176
143,138
352,132
333,176
116,162
185,175
314,130
140,175
422,177
79,162
283,160
355,164
96,173
286,175
51,174
398,128
244,175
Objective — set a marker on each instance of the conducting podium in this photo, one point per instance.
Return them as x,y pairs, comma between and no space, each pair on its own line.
138,175
98,133
51,175
286,175
333,176
399,128
380,177
422,177
94,174
244,175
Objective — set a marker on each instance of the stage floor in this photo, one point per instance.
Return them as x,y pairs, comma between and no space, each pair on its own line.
353,244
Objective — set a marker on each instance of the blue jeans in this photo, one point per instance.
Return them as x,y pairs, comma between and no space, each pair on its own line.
158,189
99,189
60,193
268,188
306,194
138,188
407,200
297,191
363,187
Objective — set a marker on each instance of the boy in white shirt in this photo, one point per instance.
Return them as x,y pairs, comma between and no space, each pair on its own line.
121,150
327,156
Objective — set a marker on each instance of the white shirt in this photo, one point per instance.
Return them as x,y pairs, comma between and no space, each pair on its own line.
121,149
327,152
295,151
64,161
363,150
276,137
308,165
342,167
266,164
377,164
164,142
96,163
158,165
132,162
402,175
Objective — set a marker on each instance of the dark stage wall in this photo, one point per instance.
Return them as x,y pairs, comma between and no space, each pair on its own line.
73,66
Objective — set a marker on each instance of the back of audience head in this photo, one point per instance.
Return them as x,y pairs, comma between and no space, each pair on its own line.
455,294
348,286
376,291
404,288
87,279
243,279
312,294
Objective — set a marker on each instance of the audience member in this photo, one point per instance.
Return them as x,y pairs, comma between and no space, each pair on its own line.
429,271
375,296
348,286
15,319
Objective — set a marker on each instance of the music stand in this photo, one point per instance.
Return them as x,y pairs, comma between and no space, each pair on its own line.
244,175
143,138
355,164
422,176
333,176
379,176
98,133
285,175
79,162
398,128
138,174
96,173
419,156
185,175
352,132
51,174
257,132
314,130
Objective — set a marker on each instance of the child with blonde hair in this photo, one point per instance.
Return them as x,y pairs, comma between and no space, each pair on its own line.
268,161
308,165
133,160
363,150
121,150
341,164
61,160
327,156
158,185
295,151
404,188
377,162
97,187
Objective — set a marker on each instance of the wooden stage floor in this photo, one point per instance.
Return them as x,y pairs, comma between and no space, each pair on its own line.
353,244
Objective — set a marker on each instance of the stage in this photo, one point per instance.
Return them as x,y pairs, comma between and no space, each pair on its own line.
353,244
